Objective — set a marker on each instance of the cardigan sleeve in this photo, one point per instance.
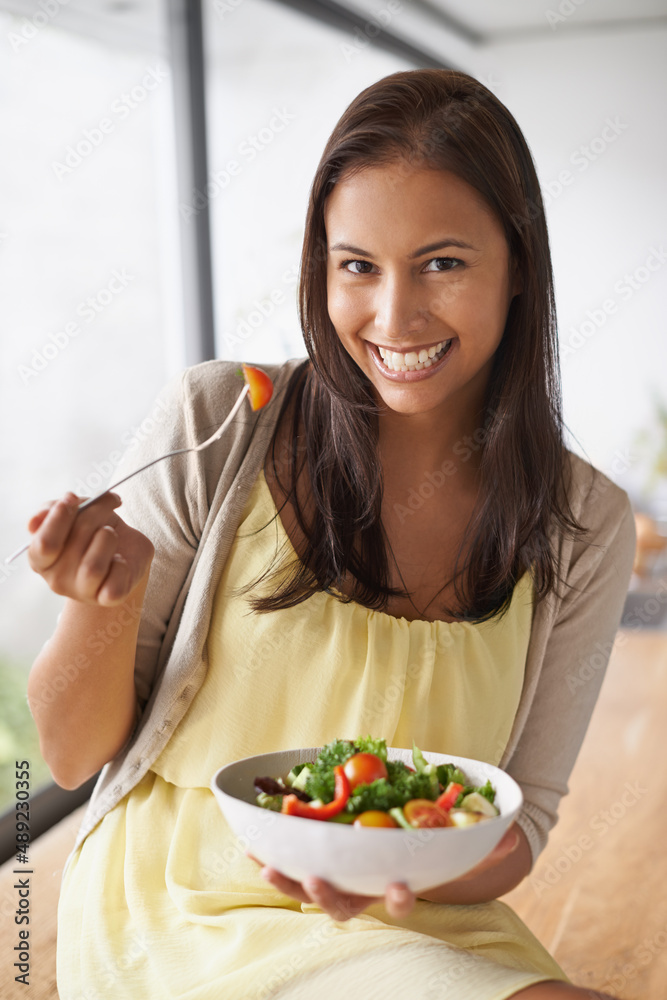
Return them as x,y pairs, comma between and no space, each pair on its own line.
577,651
164,503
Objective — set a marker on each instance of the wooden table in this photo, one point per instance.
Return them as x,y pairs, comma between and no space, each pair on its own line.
597,897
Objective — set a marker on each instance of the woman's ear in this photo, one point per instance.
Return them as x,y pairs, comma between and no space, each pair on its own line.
516,278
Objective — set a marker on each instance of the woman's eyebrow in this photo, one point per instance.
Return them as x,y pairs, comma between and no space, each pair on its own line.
429,248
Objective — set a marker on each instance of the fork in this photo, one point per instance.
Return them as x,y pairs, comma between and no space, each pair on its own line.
180,451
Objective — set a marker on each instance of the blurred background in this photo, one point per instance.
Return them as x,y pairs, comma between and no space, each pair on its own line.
157,162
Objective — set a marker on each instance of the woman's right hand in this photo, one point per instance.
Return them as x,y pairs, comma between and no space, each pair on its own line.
90,556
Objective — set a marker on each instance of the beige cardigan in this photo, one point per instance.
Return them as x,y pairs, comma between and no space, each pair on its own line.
190,507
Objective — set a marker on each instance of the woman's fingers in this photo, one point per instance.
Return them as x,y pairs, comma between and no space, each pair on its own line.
50,535
90,555
96,564
399,900
64,530
339,905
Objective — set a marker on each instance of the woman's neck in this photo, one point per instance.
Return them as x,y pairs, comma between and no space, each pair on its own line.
423,443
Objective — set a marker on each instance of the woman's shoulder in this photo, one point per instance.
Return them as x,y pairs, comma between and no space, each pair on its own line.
599,504
222,378
207,390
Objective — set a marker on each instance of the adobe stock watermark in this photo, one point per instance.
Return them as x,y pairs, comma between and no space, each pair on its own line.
96,643
639,617
361,38
463,449
287,970
130,439
248,150
224,7
88,310
581,158
31,26
217,864
263,308
121,109
643,955
566,8
600,824
625,288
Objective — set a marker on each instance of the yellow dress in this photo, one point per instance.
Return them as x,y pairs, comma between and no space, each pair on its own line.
160,900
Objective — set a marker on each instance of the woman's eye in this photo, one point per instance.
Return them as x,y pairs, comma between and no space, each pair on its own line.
443,264
365,268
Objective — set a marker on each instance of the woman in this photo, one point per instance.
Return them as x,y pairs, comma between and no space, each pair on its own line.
423,557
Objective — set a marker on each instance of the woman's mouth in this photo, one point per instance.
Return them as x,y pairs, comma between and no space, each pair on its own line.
412,366
413,361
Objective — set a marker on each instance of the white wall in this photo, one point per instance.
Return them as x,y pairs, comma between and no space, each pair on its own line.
604,224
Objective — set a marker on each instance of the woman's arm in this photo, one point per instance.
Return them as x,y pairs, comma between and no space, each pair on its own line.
81,686
572,652
500,872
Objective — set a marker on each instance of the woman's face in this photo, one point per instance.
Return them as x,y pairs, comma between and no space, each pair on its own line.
418,285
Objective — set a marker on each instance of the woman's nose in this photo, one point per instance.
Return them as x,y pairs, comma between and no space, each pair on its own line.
400,310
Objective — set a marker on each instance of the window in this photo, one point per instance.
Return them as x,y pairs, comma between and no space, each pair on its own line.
89,289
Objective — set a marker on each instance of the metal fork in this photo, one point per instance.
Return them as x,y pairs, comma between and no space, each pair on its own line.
180,451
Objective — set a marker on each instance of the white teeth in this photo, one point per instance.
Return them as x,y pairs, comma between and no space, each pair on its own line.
412,361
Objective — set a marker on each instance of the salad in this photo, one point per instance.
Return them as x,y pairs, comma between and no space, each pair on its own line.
353,782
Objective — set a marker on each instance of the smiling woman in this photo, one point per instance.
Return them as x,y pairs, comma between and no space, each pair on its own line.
427,310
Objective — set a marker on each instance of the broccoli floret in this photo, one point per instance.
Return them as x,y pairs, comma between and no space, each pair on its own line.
321,781
366,744
395,768
382,794
378,795
336,752
415,785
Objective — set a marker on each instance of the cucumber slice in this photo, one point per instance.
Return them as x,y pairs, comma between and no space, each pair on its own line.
300,781
478,803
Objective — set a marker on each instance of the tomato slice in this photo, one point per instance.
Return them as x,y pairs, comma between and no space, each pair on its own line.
374,817
261,386
449,796
364,768
424,813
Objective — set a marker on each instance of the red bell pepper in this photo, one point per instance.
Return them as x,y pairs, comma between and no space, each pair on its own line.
449,796
292,806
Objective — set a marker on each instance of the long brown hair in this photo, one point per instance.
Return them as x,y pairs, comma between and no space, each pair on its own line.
444,120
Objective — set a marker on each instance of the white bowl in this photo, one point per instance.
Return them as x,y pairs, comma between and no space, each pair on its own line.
353,859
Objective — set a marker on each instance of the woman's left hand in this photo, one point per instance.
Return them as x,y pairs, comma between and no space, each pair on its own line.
398,899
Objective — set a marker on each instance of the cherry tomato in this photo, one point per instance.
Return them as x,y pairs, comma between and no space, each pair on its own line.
363,768
422,813
261,386
374,817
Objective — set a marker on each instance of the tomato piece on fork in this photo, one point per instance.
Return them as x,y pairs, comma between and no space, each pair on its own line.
260,386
